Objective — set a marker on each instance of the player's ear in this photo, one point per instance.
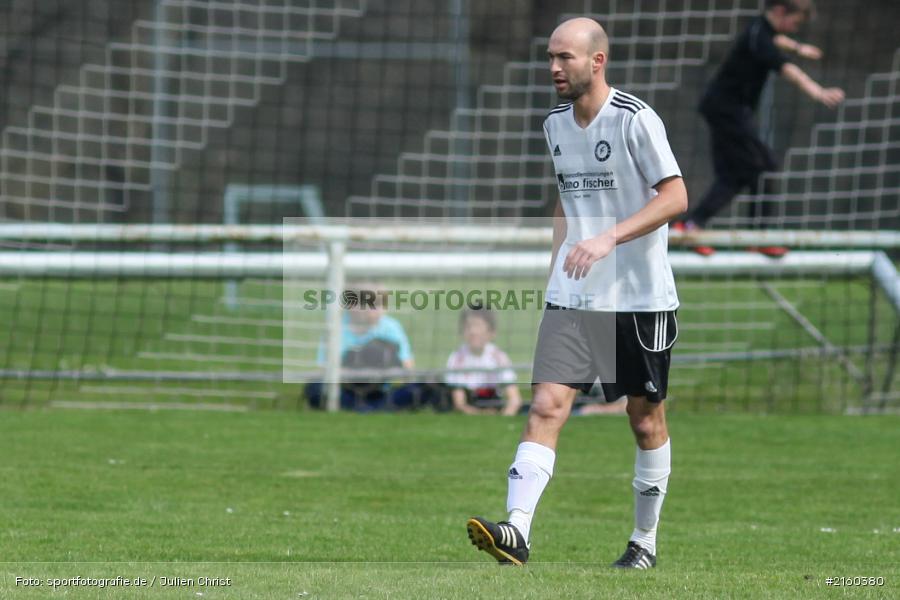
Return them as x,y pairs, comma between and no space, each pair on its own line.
599,60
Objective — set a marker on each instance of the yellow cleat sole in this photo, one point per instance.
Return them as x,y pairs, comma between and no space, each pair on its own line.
483,540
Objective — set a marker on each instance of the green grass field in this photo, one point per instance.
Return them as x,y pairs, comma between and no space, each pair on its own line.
299,505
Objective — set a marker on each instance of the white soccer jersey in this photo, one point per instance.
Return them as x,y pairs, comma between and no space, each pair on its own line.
491,357
606,173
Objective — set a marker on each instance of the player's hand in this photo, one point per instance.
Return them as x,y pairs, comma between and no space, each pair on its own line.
809,51
831,97
585,253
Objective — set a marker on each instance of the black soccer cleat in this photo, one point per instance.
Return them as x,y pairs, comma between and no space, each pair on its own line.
635,557
501,540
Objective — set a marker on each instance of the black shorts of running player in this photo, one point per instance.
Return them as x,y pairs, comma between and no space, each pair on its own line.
630,352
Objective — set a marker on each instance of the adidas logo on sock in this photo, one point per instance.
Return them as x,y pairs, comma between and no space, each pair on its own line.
513,474
654,491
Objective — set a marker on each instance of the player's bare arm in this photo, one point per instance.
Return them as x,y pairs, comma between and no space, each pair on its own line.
559,230
802,50
513,400
671,200
461,403
830,97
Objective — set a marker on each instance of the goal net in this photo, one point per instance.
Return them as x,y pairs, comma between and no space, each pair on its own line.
213,323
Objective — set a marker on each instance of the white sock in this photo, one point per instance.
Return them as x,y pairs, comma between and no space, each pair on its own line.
651,479
528,476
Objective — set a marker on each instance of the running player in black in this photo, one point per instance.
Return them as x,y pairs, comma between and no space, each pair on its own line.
731,98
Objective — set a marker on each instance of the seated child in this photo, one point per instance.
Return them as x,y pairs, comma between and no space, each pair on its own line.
480,392
370,339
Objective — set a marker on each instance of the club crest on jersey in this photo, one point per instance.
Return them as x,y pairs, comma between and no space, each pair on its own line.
602,150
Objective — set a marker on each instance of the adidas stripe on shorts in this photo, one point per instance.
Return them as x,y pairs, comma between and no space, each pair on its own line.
630,352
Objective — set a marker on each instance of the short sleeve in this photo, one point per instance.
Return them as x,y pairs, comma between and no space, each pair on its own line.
506,376
398,336
764,50
454,379
547,137
650,148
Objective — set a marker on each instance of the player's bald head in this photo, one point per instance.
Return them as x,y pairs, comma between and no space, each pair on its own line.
585,34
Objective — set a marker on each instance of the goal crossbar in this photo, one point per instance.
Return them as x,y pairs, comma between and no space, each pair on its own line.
241,265
468,234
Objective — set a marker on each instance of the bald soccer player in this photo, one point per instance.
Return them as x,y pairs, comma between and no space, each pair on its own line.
619,186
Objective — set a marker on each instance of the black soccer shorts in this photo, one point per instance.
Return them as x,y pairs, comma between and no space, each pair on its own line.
630,352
